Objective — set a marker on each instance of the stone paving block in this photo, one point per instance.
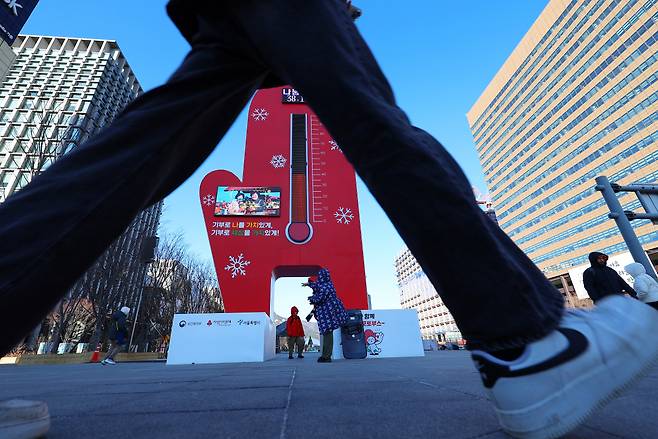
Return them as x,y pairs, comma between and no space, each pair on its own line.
438,395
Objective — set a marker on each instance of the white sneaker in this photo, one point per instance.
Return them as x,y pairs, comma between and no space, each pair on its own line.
21,419
561,379
103,362
109,361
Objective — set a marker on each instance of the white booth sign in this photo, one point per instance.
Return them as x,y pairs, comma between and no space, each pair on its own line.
221,338
389,333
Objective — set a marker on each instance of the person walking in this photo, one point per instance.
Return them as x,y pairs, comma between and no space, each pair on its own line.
602,281
518,331
328,310
295,332
644,285
118,334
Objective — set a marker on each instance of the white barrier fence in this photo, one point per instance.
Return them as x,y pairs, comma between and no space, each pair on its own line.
221,338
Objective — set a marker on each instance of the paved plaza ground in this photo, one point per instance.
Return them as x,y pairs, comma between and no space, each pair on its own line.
438,396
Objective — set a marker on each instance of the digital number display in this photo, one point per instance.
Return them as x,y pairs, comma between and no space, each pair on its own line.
291,96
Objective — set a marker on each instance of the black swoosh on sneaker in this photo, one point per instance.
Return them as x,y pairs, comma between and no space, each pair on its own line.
492,372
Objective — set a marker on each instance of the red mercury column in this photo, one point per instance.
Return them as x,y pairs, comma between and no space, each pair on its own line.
299,229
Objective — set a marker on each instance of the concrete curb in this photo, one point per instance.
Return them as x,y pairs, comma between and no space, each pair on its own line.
48,359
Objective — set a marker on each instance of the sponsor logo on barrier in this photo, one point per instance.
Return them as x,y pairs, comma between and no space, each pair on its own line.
184,323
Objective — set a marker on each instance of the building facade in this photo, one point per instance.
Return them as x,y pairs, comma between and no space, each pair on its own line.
576,99
56,93
417,292
7,57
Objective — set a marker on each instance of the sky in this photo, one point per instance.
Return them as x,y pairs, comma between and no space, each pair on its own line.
438,55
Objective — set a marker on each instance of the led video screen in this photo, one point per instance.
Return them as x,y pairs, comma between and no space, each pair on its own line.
248,201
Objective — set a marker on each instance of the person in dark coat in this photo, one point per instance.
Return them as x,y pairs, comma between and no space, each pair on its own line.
295,332
601,281
118,334
329,311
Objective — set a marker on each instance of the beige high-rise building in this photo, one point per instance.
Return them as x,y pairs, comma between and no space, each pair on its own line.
576,99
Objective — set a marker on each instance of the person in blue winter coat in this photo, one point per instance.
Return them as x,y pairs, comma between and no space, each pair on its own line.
118,334
329,311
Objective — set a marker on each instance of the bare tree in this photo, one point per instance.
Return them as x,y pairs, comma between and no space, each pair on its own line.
74,308
178,282
202,295
165,278
112,281
71,319
46,143
46,138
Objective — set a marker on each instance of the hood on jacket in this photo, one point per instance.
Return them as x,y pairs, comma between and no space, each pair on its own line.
635,269
294,311
125,310
323,275
593,256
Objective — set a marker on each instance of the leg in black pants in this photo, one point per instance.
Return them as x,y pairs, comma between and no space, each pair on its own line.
164,136
405,167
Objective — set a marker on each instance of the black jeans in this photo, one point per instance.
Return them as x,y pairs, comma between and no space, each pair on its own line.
54,229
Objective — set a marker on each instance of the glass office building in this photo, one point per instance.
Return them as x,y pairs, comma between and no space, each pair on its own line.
417,292
56,93
576,99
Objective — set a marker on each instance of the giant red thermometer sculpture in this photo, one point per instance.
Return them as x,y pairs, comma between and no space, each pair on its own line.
295,209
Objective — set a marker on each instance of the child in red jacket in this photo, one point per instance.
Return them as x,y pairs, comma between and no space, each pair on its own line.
295,332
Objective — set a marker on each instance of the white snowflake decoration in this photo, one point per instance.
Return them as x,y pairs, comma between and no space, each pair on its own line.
237,265
208,200
260,114
278,161
334,146
344,215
